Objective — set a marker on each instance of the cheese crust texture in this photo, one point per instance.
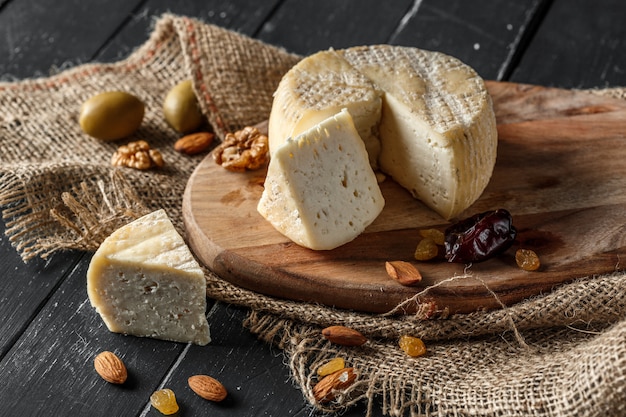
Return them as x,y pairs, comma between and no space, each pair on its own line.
144,281
320,190
425,117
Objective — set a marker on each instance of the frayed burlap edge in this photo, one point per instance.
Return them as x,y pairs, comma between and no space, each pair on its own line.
77,219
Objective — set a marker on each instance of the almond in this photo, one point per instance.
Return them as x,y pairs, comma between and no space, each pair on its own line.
403,272
110,367
324,390
194,143
344,336
207,387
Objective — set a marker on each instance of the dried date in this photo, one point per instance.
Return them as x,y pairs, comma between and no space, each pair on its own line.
480,237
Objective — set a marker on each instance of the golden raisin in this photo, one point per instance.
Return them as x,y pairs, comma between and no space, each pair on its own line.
437,236
164,400
331,366
426,250
412,346
527,260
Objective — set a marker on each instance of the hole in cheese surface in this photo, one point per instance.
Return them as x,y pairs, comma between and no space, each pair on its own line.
144,281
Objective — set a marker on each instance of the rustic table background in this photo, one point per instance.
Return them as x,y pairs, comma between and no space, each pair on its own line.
49,333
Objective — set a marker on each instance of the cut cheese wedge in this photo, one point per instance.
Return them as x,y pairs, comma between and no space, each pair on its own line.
320,190
435,133
144,281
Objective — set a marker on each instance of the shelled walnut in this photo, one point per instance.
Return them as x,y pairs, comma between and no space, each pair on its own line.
245,149
137,155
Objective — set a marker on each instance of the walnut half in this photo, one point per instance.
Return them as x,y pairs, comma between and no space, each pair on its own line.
137,155
245,149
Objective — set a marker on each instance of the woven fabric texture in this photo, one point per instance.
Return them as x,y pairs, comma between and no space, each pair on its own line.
561,354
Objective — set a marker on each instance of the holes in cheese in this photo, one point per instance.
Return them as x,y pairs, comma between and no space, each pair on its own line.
320,190
144,281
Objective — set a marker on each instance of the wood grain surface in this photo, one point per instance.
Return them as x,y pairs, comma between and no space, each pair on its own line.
560,172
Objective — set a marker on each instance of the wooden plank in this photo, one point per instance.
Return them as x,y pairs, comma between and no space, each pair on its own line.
236,15
307,27
26,287
235,359
480,33
37,38
578,45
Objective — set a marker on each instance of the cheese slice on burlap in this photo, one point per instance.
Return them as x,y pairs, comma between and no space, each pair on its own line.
320,190
437,128
144,281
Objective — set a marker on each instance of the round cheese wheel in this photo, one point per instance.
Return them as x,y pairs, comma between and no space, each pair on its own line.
425,117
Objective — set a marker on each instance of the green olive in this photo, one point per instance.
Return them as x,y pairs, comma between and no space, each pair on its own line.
180,108
112,115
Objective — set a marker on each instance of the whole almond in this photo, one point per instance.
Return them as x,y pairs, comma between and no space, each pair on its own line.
344,336
403,272
194,143
207,387
324,390
110,367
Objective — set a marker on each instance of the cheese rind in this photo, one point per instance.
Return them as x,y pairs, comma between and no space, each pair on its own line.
435,133
144,281
320,190
318,87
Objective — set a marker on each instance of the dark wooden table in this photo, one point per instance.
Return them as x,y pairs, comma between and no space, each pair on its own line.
49,333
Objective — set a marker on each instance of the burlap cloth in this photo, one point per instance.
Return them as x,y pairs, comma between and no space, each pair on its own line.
562,354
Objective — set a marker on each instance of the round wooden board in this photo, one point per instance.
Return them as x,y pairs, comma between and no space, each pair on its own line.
566,198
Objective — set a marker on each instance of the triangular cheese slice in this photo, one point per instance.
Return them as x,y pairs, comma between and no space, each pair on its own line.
320,190
144,281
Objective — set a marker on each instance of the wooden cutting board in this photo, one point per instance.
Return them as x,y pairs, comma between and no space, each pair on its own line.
561,172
